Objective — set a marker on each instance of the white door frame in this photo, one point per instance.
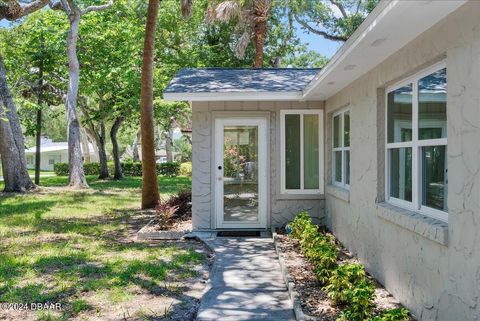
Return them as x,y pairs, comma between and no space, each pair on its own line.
220,123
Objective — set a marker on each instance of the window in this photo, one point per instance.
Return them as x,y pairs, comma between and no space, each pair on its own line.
416,141
301,134
30,160
52,159
341,149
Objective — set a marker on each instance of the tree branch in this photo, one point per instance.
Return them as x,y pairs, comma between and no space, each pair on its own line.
13,10
98,8
319,32
340,7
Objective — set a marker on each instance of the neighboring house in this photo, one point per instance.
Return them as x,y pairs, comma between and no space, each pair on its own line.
51,153
382,146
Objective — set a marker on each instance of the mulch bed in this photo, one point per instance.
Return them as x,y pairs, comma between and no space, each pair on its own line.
315,302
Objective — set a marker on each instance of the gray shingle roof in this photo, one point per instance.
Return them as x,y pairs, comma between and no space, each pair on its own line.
191,80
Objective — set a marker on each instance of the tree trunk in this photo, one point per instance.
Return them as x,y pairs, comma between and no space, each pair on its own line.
85,145
136,157
99,137
38,141
75,160
115,150
150,194
260,30
102,153
12,147
38,126
169,144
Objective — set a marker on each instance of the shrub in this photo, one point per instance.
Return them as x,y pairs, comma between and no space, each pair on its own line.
183,202
398,314
128,168
166,214
91,168
61,169
186,169
345,284
168,168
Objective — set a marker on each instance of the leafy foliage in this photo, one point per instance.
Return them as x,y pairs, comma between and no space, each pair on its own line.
186,169
129,168
346,285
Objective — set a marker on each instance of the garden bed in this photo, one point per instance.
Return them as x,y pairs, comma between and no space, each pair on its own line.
173,219
342,278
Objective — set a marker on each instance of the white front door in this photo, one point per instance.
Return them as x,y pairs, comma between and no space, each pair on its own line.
241,172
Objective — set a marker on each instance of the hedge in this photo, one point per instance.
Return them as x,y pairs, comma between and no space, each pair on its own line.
186,169
128,168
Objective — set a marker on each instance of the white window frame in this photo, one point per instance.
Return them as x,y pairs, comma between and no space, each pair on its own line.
301,190
341,148
416,146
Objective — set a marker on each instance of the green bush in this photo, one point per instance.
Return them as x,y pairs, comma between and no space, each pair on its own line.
168,169
91,168
128,168
61,169
398,314
346,284
186,169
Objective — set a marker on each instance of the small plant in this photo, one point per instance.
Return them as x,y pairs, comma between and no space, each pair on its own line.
183,202
166,214
398,314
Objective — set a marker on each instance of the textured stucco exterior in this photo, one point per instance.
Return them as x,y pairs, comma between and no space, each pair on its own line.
433,268
281,208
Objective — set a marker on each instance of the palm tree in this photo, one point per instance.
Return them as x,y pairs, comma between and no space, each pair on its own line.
252,17
150,193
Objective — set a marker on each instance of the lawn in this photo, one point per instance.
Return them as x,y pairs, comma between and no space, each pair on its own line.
78,248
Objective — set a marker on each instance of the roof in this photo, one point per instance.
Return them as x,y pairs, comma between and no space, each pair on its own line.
384,32
258,82
54,147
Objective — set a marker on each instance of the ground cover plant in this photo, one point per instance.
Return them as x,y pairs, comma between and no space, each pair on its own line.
78,248
346,284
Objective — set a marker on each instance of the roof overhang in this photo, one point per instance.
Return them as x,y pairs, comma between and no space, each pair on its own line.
390,26
234,96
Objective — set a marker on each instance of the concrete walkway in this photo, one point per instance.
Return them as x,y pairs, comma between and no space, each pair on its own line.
246,283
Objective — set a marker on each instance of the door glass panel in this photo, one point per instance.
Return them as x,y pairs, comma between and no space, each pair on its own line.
292,151
240,181
311,152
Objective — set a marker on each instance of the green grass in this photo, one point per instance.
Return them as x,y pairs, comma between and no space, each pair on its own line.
75,247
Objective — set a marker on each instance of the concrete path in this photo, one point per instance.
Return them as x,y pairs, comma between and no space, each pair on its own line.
246,283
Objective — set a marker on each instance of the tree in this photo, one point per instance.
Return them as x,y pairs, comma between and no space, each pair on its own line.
170,115
150,193
334,20
251,18
12,148
74,13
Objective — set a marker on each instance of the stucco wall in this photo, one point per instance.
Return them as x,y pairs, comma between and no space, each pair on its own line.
432,268
281,208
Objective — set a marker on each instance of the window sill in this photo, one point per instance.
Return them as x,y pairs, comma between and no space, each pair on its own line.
430,228
300,196
338,192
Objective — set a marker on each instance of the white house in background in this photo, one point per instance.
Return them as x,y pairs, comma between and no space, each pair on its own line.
53,152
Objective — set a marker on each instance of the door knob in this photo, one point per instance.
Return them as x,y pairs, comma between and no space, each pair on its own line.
220,167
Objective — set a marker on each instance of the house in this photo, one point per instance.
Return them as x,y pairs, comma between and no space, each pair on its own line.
382,146
53,152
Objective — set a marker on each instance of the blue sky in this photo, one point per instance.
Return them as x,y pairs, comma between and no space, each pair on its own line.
318,43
